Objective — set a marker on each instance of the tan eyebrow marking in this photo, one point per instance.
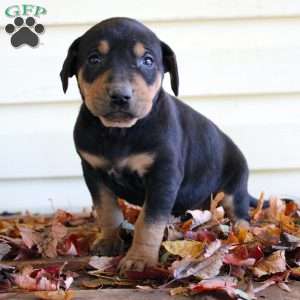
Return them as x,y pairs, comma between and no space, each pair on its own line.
139,49
103,47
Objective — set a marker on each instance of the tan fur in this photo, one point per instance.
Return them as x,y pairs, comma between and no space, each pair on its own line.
96,161
119,124
109,213
94,91
103,47
145,246
144,93
139,163
139,49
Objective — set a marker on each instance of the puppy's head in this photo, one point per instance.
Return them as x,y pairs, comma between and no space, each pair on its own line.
119,64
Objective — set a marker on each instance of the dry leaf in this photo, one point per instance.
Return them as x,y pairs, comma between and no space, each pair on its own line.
153,273
130,211
211,248
179,291
102,263
231,259
199,217
4,249
258,210
226,284
202,268
55,295
184,248
47,279
275,263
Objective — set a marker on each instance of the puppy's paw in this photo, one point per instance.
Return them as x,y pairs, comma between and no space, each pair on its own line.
108,247
136,260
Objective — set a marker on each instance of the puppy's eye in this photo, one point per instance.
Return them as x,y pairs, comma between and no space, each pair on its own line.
94,59
148,61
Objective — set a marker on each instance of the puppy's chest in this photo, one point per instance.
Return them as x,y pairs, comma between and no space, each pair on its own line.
121,167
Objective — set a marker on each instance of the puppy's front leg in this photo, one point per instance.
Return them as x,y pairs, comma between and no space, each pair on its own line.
109,215
161,193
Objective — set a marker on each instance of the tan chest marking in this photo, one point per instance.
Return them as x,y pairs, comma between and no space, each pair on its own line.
96,161
139,163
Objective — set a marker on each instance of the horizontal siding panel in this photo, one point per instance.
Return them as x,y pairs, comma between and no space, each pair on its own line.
46,195
215,58
265,129
74,12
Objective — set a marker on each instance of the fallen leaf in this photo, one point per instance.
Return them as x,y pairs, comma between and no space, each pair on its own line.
201,235
211,248
202,268
226,284
184,248
4,250
179,291
231,259
55,295
199,217
6,277
102,263
275,263
258,210
47,279
153,273
130,211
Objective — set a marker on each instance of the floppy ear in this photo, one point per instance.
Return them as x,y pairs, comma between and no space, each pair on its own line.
69,66
170,65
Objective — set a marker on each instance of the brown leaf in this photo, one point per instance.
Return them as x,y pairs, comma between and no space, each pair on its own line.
55,295
4,249
275,263
202,268
102,263
29,236
130,211
179,291
258,210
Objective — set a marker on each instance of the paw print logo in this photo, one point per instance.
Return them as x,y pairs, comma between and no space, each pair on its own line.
24,33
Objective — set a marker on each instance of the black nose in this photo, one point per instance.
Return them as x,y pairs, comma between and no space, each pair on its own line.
120,95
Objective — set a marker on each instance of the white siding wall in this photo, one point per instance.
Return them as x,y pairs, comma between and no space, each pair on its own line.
239,63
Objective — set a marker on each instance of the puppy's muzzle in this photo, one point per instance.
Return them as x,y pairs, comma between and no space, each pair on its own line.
120,96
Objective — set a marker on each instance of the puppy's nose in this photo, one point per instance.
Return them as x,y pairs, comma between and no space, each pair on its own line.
120,95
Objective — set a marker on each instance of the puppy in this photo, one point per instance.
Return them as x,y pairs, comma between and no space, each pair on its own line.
139,143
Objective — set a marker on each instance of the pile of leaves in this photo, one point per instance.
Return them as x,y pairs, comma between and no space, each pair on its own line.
203,251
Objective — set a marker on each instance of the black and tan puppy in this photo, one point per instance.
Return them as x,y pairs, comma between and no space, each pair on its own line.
138,142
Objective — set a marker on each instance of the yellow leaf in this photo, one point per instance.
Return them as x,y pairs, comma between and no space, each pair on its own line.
184,248
55,295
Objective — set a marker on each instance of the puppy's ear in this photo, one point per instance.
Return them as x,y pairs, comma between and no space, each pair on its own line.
69,66
170,65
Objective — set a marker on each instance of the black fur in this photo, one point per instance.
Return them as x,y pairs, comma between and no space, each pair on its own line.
193,158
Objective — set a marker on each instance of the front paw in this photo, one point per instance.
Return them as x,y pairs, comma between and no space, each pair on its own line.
136,260
108,247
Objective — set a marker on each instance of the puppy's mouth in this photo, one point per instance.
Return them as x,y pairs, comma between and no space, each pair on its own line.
118,119
119,116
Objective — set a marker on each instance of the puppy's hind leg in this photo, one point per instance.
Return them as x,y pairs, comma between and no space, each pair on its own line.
237,199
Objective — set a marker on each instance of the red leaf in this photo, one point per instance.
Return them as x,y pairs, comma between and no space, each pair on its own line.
153,273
